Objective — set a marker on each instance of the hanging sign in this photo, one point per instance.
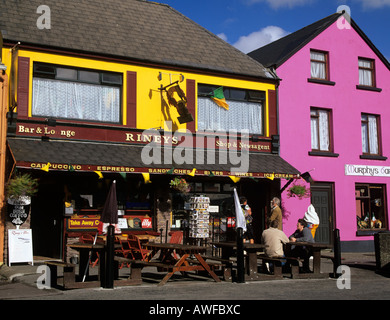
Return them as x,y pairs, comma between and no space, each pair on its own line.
18,209
20,246
81,223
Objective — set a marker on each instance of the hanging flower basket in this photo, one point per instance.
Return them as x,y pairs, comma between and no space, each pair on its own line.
298,191
180,184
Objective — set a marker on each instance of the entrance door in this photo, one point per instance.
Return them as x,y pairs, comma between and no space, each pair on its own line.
322,200
46,219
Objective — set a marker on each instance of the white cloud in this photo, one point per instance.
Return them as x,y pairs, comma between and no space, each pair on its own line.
276,4
222,36
374,4
259,38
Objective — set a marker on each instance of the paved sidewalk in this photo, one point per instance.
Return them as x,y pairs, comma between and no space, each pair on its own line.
20,282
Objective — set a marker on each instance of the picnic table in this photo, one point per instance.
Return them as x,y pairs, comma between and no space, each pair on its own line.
251,257
315,249
185,263
84,250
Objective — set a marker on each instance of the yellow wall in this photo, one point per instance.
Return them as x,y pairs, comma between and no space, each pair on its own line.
149,106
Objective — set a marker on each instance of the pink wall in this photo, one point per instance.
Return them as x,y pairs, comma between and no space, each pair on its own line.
297,95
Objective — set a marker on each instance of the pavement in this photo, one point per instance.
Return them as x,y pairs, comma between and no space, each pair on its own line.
19,282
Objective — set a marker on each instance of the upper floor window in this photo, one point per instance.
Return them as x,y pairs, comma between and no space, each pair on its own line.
366,72
320,130
241,109
370,134
319,65
71,93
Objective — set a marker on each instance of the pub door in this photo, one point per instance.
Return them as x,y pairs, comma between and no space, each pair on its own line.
47,219
322,200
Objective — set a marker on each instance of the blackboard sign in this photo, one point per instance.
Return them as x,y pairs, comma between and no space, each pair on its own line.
20,246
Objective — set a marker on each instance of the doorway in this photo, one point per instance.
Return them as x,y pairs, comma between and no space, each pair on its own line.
47,219
322,198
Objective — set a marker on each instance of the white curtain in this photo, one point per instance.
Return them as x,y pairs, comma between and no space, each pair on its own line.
318,69
320,126
242,115
365,76
73,100
370,135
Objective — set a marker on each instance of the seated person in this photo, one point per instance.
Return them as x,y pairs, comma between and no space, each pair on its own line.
274,239
302,234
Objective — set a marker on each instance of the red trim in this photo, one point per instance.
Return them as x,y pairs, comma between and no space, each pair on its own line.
191,103
23,86
131,99
273,114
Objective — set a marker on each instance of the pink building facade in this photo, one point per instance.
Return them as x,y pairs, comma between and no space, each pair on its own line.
334,111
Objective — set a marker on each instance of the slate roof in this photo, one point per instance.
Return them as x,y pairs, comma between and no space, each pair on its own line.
108,154
276,53
138,30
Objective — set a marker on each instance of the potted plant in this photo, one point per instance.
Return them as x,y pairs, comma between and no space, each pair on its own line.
180,184
19,191
299,191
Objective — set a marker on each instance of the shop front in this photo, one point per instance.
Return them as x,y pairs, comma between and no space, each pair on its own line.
75,176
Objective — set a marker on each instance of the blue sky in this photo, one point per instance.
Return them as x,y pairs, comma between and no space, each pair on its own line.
250,24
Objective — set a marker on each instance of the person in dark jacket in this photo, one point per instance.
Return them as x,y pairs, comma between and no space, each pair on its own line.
302,234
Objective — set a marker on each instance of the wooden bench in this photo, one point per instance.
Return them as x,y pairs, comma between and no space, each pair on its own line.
277,263
69,274
225,264
136,266
291,262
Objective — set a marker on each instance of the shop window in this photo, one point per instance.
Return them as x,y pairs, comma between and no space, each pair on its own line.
245,110
319,65
221,207
320,130
70,93
370,134
370,207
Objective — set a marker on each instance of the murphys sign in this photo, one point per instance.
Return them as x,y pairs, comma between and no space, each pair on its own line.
367,171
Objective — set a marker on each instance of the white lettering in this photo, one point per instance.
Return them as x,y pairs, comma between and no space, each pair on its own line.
44,21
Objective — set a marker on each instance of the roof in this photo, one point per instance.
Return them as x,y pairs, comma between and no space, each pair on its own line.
276,53
133,29
90,156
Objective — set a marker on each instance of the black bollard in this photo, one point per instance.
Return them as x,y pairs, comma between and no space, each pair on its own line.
109,283
240,257
337,252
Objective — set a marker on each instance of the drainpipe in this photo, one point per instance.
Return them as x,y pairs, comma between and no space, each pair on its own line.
3,141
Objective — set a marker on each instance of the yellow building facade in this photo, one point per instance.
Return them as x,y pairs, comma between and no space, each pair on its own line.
91,102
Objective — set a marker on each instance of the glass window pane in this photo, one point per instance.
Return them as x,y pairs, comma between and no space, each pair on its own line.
314,134
66,74
111,78
237,94
317,56
89,76
75,100
215,118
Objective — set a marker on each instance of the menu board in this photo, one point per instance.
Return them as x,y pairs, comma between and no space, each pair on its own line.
20,246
